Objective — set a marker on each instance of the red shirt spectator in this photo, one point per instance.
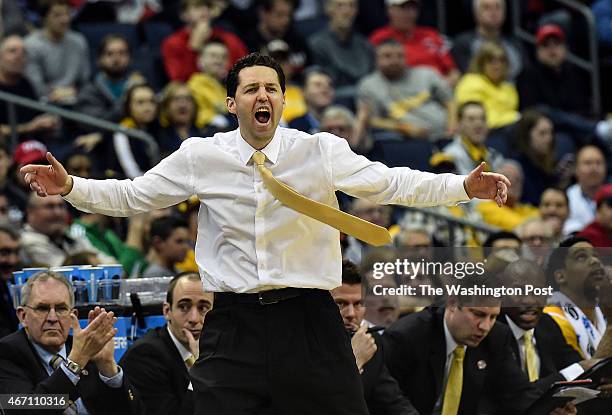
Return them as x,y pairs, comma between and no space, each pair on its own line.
599,232
180,61
424,46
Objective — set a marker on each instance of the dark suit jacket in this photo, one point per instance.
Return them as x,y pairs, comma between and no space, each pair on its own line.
554,352
381,391
157,370
415,353
22,371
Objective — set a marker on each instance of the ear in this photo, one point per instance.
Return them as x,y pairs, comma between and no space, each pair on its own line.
21,316
230,103
559,277
166,310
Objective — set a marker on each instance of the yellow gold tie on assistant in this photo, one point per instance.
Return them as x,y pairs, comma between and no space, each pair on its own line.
530,356
349,224
190,361
454,383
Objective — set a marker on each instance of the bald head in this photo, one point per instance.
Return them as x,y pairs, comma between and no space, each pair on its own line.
12,58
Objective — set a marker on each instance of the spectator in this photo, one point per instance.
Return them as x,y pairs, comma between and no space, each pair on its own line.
537,237
590,175
181,49
169,239
319,93
340,121
577,273
468,148
43,358
9,262
344,53
13,60
274,21
140,112
554,209
30,151
423,46
103,97
45,239
404,101
599,232
490,16
513,213
178,110
502,240
487,83
158,363
535,141
9,188
58,58
208,89
381,392
371,212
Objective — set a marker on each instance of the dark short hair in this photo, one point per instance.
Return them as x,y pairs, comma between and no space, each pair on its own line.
466,104
253,59
190,275
496,236
127,98
267,5
559,190
557,258
164,226
110,38
188,3
350,273
316,70
45,6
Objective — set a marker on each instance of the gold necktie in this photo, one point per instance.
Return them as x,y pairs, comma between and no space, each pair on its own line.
190,361
454,384
349,224
530,356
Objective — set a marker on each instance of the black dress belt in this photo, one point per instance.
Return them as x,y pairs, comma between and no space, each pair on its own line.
264,297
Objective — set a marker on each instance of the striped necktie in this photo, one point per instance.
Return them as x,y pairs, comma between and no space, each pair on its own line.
55,363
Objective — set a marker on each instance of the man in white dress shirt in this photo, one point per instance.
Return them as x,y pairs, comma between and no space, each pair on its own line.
274,343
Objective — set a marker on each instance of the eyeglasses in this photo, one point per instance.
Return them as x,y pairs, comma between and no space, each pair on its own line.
43,310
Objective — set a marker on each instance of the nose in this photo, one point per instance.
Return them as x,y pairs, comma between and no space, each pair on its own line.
486,324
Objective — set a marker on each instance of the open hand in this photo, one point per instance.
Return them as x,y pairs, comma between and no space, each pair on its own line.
485,185
47,180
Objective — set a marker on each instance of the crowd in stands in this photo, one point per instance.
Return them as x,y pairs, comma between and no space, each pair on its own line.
377,73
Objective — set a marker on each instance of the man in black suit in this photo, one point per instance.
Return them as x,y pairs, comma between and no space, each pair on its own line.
158,363
446,360
42,358
381,392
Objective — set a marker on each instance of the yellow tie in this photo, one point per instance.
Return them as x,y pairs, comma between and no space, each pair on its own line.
349,224
454,384
190,361
530,356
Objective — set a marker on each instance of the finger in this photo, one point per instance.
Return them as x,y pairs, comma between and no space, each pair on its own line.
362,328
500,178
53,162
33,168
479,169
74,324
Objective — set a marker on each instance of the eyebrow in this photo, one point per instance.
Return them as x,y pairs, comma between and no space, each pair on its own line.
257,83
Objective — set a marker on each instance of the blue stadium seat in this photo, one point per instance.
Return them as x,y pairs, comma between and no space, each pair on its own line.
155,33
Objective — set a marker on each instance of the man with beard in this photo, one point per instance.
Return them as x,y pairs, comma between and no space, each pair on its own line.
576,271
9,261
103,97
158,364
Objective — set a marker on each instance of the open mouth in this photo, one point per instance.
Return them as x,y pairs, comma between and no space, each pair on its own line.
262,115
598,274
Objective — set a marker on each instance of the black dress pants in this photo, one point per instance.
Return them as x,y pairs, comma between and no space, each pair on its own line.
292,357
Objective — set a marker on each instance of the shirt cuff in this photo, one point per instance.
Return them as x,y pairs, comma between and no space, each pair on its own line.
572,372
78,190
73,378
456,189
115,381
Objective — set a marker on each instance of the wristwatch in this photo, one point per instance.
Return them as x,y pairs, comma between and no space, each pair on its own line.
73,367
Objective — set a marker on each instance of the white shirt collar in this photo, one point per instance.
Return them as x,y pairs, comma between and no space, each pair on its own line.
451,344
516,330
246,151
185,353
